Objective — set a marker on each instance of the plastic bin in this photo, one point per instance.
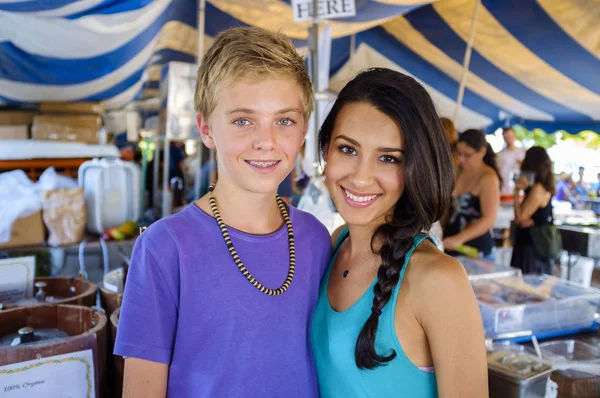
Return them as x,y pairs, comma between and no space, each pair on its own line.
477,268
532,304
578,367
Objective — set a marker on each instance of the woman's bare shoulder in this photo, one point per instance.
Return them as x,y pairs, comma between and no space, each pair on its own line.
435,273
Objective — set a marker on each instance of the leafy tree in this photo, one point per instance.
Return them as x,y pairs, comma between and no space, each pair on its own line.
587,138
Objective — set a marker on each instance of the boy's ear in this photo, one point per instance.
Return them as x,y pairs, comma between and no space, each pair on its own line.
204,130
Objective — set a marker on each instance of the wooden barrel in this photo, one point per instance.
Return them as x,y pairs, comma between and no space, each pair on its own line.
67,290
118,362
111,300
86,329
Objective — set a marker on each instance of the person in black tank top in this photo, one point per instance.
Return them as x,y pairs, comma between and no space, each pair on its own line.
466,209
535,210
476,199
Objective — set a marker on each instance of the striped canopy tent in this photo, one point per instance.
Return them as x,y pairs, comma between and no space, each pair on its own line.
536,63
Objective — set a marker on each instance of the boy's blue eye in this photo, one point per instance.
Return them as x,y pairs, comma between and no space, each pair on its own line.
241,122
287,122
348,150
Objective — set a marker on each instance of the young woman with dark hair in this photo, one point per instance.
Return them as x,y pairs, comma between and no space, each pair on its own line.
535,210
476,196
395,316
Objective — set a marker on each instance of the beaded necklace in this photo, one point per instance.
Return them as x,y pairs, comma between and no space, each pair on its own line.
284,213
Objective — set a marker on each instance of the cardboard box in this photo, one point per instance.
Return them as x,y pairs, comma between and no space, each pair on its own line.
76,128
16,118
14,132
26,231
78,108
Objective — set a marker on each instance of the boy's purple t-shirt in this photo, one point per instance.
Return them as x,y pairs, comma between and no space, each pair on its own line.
186,304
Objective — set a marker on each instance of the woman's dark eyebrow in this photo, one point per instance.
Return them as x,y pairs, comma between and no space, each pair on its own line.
390,150
382,149
350,140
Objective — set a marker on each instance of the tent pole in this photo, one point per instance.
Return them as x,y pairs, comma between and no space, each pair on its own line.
201,29
466,62
315,69
313,45
352,50
199,54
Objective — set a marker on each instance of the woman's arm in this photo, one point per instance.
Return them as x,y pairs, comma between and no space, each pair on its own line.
524,211
489,198
144,379
449,314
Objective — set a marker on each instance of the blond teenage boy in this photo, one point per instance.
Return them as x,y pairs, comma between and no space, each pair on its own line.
219,296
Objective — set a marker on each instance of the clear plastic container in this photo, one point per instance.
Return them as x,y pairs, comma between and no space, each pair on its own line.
532,304
578,367
478,268
572,358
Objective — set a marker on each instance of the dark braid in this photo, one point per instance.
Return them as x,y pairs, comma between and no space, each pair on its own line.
395,239
428,183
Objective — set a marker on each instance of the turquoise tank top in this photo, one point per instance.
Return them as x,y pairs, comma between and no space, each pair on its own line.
333,338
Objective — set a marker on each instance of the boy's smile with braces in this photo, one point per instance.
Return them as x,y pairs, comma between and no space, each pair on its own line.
262,163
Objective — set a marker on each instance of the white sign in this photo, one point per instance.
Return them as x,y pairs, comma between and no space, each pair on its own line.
16,279
327,9
62,376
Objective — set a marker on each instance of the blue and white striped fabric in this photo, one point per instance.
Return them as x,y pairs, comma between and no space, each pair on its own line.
89,50
535,62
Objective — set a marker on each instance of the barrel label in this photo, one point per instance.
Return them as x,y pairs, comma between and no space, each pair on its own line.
62,376
16,279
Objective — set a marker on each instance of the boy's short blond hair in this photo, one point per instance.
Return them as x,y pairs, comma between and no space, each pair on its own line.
253,54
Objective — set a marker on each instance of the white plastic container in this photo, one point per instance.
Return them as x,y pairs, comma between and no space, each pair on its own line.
581,269
112,190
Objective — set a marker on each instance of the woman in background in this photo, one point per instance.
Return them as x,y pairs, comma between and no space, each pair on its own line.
476,196
535,210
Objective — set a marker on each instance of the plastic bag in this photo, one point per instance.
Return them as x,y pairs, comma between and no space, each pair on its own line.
20,197
64,215
50,180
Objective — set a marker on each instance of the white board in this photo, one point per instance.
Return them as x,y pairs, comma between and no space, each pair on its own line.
62,376
327,9
16,279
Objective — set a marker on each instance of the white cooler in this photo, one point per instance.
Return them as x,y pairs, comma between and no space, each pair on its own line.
112,190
